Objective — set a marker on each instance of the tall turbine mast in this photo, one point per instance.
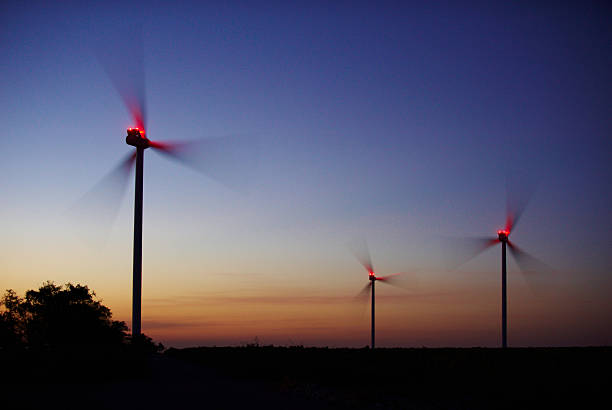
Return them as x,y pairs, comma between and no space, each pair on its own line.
503,238
373,338
138,140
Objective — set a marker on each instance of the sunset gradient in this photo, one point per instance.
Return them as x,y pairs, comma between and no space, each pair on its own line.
398,124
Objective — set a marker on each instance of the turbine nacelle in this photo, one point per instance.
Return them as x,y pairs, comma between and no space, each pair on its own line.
503,234
136,138
372,277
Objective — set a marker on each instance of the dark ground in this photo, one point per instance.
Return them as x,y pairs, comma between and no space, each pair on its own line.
304,378
156,382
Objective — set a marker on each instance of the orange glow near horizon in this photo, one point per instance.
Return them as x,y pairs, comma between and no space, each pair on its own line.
440,313
211,295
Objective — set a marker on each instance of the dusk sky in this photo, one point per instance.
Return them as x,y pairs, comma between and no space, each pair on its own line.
390,121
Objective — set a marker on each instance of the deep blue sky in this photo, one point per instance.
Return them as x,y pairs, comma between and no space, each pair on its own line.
394,121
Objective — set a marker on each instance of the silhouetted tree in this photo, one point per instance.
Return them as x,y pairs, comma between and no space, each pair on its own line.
144,344
65,333
11,321
55,316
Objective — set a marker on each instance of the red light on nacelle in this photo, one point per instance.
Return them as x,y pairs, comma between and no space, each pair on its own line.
136,131
504,232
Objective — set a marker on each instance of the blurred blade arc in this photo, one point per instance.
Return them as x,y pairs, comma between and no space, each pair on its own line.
400,280
535,272
120,52
359,249
364,294
529,264
101,204
518,194
467,248
230,160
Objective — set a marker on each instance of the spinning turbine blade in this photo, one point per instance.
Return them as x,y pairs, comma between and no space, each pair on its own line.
471,247
101,204
396,279
528,263
121,54
362,299
364,294
112,186
360,250
534,271
518,195
230,160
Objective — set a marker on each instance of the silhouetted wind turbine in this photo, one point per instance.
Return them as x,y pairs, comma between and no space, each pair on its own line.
361,252
525,261
217,157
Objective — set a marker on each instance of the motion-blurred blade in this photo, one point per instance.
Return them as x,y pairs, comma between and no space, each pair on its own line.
365,292
518,193
535,272
230,160
359,249
401,280
101,204
120,52
463,250
528,263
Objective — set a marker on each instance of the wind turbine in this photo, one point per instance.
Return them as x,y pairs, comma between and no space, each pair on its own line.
123,61
526,262
361,252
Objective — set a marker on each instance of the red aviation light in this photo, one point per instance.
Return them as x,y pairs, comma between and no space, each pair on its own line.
502,234
136,131
136,138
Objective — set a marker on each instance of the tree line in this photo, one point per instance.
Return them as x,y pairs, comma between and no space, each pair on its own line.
56,317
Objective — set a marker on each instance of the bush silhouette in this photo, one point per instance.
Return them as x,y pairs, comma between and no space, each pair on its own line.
11,323
57,317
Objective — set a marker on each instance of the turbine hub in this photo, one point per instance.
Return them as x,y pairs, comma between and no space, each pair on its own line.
502,235
136,138
372,276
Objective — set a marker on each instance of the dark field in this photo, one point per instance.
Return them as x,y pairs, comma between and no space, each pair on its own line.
303,378
422,378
